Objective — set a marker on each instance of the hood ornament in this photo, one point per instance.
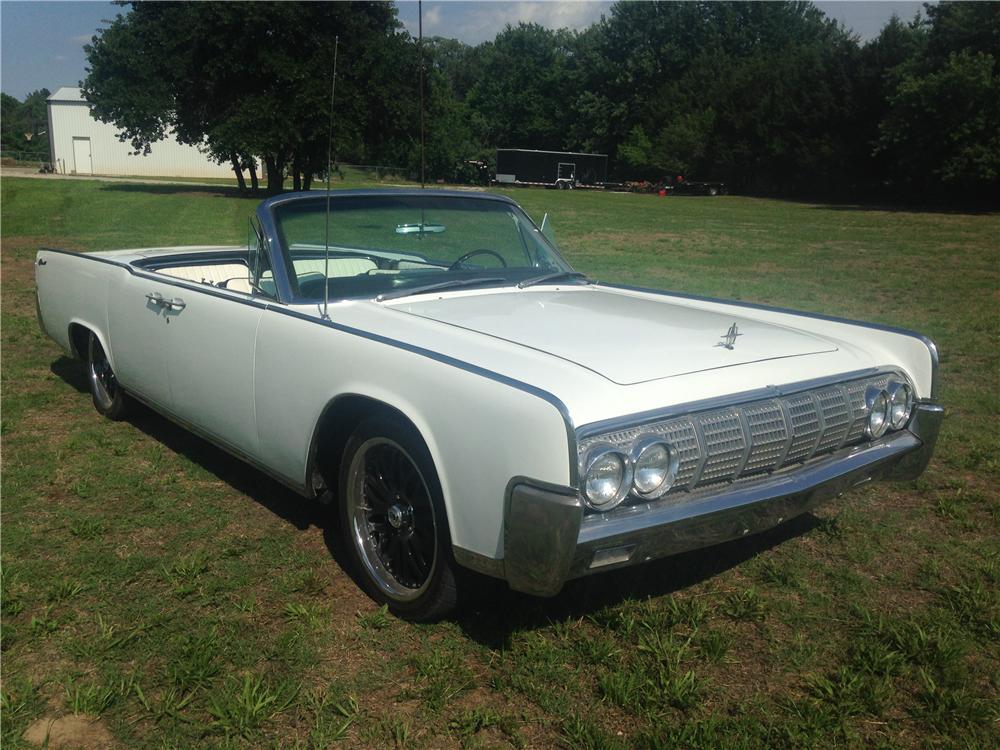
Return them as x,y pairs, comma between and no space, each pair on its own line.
729,337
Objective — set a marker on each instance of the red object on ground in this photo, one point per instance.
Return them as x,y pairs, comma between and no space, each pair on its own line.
663,193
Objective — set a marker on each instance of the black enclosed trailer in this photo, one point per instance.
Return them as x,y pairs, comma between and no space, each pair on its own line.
561,169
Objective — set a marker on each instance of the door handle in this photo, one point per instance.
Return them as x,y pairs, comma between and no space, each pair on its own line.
174,304
156,298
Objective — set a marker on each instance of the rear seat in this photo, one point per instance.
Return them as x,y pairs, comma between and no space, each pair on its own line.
233,273
338,266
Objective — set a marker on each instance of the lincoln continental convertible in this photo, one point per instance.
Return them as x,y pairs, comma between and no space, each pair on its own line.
427,363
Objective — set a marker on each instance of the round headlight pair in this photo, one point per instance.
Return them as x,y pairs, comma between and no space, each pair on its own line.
888,408
900,404
649,470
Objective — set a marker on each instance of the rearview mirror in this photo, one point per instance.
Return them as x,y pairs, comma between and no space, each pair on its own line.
419,228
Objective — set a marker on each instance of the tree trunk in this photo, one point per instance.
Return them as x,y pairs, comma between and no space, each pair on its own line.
239,173
254,184
296,179
275,173
307,180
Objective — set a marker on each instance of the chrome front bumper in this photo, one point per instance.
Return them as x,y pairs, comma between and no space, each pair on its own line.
548,539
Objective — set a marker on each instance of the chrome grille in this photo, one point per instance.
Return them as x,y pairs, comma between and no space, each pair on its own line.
768,436
806,425
836,418
727,444
681,435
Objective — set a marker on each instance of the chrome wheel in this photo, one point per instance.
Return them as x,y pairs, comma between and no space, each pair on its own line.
103,384
392,521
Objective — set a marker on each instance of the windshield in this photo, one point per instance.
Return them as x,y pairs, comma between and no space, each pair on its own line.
387,245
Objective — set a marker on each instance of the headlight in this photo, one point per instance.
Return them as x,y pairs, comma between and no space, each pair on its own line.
900,404
655,466
877,402
608,477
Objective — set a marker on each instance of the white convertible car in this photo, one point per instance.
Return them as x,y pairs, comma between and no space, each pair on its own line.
428,362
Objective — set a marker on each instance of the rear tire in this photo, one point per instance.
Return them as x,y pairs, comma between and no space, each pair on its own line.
393,521
109,398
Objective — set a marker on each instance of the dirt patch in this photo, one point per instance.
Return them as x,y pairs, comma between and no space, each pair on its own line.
76,731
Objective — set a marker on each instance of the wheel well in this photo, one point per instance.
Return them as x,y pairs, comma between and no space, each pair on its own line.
78,337
339,419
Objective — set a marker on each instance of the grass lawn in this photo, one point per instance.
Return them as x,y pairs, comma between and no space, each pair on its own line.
178,598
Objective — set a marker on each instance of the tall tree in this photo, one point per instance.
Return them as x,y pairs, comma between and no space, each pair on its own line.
245,80
24,125
939,133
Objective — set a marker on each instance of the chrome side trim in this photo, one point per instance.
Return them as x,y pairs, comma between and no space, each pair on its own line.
541,525
931,346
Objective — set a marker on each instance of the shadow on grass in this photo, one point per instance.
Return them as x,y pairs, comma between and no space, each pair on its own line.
219,191
273,495
983,210
490,612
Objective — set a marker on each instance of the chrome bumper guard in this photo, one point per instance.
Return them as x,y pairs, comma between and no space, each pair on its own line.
548,539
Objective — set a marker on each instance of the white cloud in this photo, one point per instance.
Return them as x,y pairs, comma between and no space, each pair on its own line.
480,21
432,20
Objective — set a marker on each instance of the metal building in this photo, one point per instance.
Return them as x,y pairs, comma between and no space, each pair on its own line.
81,144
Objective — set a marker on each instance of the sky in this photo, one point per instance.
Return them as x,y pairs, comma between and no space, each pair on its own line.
41,43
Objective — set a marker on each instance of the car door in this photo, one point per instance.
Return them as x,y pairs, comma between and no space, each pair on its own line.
139,331
209,359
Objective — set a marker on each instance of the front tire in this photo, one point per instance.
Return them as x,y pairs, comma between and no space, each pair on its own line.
109,398
393,521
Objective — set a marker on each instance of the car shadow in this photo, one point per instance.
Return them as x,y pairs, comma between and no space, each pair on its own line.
492,613
489,612
271,494
71,372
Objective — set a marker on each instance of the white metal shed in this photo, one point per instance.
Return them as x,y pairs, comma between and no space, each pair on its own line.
82,144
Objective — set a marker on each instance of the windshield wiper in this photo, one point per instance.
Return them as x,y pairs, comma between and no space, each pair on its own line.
552,276
450,284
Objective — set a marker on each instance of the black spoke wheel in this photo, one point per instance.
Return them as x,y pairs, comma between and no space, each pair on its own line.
393,520
109,398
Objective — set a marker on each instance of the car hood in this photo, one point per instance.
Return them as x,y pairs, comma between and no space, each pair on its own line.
624,338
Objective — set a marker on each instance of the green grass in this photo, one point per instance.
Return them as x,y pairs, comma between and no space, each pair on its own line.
181,599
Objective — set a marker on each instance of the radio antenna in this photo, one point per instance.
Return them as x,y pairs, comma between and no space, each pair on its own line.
329,151
420,54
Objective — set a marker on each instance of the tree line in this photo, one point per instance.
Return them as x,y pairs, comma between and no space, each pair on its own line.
770,97
24,126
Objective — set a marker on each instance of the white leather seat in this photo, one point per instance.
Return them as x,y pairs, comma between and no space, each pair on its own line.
338,266
234,273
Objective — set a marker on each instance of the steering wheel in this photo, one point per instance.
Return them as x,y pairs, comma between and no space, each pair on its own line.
472,254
